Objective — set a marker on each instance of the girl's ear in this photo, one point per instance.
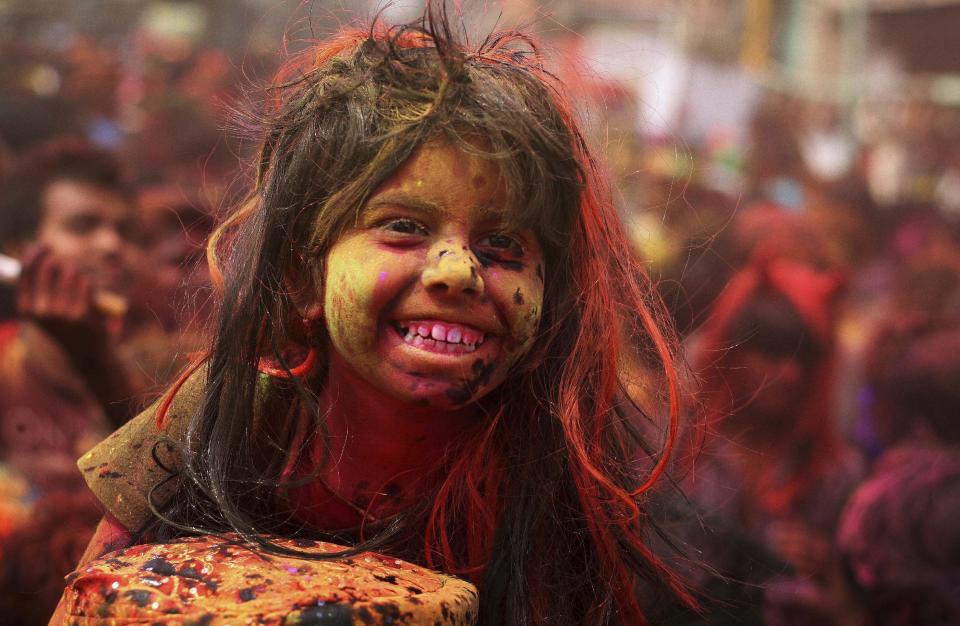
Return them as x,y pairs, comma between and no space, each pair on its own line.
304,284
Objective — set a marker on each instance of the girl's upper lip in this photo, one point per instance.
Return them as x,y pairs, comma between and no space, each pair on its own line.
480,326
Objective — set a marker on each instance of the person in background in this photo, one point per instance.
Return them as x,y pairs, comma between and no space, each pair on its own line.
770,460
912,369
900,541
67,214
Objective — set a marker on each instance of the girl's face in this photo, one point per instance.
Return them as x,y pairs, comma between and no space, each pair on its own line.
430,298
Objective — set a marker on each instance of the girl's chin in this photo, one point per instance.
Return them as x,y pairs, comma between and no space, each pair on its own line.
423,391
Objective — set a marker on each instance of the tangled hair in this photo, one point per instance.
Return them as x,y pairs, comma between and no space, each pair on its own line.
541,505
62,158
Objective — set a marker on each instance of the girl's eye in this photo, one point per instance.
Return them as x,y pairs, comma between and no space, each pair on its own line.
404,226
501,244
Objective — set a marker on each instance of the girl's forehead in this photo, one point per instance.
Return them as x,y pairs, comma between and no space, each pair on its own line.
439,177
445,161
473,173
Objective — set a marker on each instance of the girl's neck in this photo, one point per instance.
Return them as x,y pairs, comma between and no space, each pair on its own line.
376,439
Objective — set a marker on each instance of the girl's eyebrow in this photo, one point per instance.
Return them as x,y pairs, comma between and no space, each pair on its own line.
406,200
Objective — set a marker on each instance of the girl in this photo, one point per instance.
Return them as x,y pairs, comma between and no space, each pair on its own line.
433,340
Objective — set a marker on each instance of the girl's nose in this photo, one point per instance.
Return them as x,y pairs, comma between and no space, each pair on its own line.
452,272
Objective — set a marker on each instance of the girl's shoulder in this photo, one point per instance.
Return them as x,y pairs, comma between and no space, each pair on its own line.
137,461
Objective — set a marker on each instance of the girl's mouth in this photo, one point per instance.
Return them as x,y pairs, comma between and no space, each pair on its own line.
440,337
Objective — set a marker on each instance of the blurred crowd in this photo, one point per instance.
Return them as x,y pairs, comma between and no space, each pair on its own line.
818,301
819,311
112,163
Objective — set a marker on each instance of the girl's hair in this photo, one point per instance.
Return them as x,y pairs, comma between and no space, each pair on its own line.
542,505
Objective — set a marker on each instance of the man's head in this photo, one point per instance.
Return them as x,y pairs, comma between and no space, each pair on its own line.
70,197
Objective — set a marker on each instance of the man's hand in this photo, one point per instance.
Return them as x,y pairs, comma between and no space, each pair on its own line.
58,296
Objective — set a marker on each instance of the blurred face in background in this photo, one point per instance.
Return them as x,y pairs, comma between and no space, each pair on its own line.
768,388
769,368
92,227
173,275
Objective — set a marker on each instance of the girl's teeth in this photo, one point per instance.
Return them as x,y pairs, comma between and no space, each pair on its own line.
433,335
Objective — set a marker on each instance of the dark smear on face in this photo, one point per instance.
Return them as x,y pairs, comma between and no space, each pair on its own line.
540,272
517,297
459,395
481,376
473,272
513,266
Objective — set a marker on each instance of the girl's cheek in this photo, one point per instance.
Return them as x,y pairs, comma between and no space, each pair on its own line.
345,320
350,300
